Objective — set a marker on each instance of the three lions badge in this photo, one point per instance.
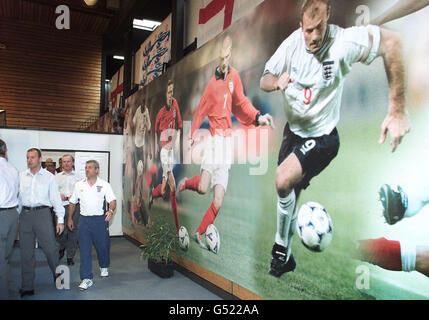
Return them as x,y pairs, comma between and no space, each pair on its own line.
328,70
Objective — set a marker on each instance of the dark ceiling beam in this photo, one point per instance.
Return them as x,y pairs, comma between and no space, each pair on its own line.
177,30
106,13
125,23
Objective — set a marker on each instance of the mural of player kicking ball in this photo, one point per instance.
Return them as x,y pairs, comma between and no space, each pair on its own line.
309,69
167,132
222,97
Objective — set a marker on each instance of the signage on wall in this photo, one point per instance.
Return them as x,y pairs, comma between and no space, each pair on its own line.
153,53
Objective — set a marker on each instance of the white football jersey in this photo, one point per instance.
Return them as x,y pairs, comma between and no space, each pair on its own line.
312,102
142,124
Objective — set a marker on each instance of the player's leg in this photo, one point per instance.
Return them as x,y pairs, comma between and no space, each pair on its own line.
135,201
218,178
199,183
172,184
300,159
422,260
288,175
395,255
398,204
210,215
416,202
382,252
160,189
213,210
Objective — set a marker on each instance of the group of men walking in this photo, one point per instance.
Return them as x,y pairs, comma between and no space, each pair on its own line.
27,201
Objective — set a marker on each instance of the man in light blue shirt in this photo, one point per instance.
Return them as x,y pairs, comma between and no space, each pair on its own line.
39,192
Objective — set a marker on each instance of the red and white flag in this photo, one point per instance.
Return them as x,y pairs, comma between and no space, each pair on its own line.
216,15
116,89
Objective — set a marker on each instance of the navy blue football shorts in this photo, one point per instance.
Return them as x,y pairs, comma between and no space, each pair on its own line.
314,154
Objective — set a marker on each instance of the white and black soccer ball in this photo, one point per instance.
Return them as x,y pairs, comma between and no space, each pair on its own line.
183,238
213,238
314,226
140,168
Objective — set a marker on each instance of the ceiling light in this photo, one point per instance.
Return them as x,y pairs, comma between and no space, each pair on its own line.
145,24
90,3
2,46
119,57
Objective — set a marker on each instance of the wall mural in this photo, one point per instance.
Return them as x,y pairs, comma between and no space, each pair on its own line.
202,152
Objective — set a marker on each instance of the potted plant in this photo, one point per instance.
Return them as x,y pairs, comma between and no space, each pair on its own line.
161,241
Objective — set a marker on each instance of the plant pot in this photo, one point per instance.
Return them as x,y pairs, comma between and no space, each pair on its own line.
160,268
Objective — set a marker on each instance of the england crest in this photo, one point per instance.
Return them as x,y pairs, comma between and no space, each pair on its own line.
231,86
328,71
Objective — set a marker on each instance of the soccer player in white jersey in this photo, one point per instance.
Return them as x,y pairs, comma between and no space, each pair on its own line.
399,10
309,69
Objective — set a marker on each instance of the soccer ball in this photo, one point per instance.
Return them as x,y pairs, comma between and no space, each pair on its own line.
314,226
213,238
183,238
139,168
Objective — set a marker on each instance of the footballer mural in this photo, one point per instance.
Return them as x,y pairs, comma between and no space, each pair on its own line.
238,145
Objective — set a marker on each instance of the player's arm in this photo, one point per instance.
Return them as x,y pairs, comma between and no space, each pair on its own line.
244,110
399,10
397,121
274,76
200,114
269,82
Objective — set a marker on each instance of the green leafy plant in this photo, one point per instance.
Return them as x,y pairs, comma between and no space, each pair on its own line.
161,241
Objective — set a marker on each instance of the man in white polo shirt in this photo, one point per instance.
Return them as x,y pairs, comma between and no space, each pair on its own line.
66,182
93,221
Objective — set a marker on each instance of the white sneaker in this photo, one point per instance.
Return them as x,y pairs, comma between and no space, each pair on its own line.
85,284
104,272
181,185
199,239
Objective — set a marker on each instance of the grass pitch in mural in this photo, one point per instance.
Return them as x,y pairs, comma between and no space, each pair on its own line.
231,142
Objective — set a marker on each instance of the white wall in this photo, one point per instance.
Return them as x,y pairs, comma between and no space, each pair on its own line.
19,141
